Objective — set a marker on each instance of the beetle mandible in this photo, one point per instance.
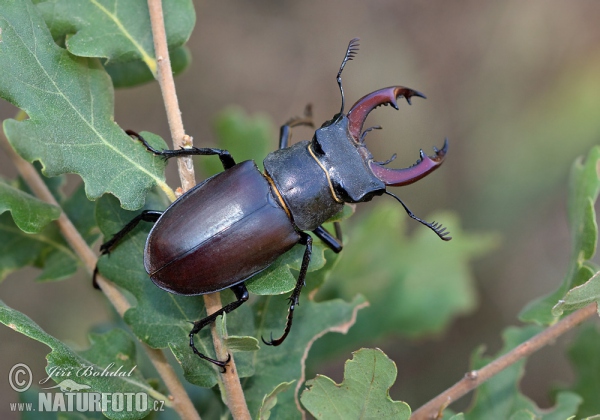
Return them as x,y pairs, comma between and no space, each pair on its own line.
238,222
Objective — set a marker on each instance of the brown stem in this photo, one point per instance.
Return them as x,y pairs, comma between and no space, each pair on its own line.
434,408
234,395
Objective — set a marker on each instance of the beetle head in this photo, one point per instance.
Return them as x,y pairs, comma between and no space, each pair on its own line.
339,148
355,175
356,119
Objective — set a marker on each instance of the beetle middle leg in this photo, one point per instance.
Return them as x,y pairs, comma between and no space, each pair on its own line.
145,216
295,296
241,293
285,132
226,159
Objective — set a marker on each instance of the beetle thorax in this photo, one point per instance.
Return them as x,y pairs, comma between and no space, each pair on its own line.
346,163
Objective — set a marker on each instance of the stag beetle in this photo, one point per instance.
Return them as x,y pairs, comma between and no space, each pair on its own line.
238,222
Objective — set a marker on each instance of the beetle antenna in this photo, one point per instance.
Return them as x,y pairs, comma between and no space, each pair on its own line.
436,227
350,54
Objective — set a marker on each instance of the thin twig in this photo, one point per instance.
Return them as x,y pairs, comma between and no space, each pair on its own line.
179,399
434,408
234,396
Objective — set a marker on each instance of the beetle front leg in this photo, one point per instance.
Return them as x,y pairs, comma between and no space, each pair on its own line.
241,293
295,296
285,132
226,159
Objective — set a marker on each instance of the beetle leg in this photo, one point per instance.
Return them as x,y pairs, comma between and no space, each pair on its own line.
241,293
106,247
334,243
285,132
226,160
295,296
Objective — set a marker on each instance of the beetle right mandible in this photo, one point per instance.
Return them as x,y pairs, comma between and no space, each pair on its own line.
238,222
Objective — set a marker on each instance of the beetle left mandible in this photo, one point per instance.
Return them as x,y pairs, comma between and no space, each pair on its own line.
238,222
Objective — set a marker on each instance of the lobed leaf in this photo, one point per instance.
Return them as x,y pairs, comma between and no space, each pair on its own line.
134,73
69,101
270,400
285,363
580,296
235,343
47,249
364,392
584,186
29,213
583,354
113,347
116,30
415,285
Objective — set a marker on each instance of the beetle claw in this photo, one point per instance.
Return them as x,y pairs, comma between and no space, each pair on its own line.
268,343
386,96
422,167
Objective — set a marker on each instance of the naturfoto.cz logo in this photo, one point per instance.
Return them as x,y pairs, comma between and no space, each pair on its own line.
76,396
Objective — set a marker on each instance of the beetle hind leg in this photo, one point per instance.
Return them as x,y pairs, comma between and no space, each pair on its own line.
295,296
241,293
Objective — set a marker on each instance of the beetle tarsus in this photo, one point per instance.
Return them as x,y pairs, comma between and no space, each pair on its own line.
295,296
241,293
222,365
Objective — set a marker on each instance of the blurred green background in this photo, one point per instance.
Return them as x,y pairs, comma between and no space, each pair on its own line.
514,85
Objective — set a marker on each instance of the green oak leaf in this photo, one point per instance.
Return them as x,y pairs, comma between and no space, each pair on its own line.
69,101
580,296
523,415
29,213
583,354
500,398
584,186
279,277
285,363
364,393
47,249
113,347
235,343
116,30
415,284
270,400
134,73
